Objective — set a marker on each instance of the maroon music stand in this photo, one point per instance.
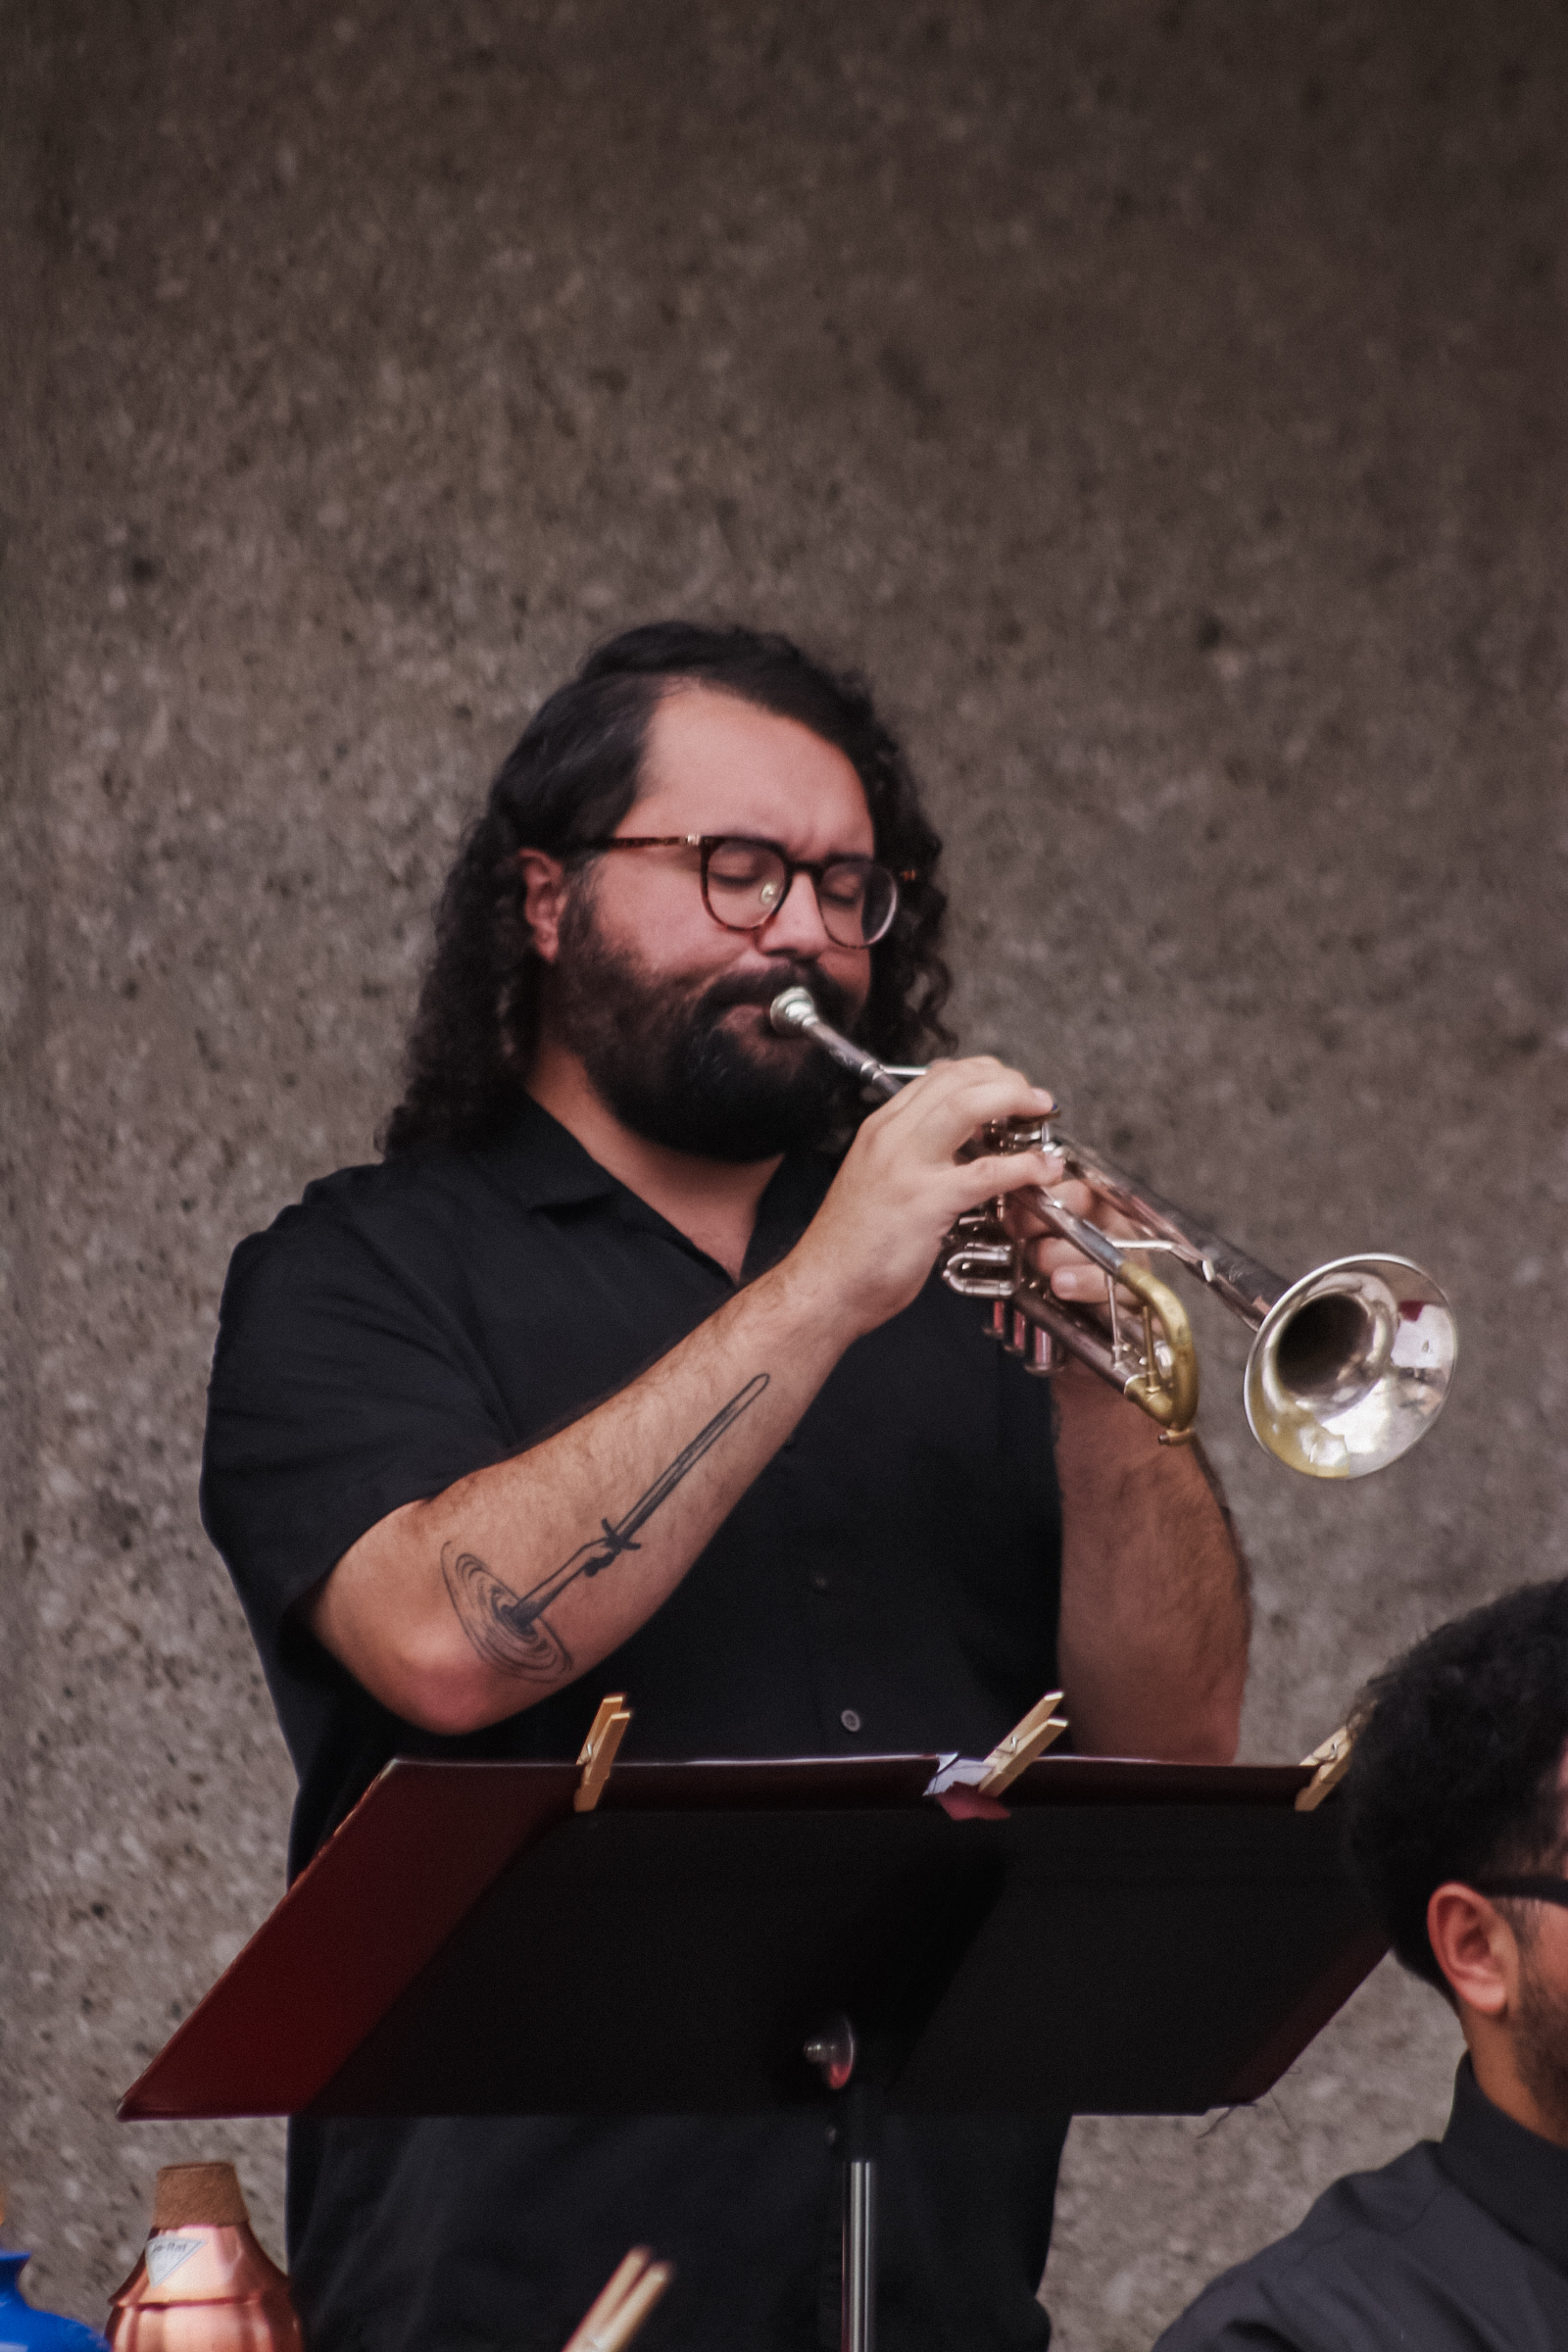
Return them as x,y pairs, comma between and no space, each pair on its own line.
1132,1939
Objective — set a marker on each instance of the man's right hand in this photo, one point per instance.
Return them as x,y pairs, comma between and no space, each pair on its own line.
875,1237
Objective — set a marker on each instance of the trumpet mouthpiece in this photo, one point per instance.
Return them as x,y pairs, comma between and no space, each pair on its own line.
790,1012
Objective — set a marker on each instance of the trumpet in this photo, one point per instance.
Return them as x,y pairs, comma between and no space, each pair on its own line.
1350,1364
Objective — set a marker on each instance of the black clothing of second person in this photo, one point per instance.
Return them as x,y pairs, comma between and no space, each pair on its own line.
1459,2245
889,1582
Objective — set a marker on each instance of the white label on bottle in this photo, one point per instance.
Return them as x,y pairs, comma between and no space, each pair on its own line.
164,2254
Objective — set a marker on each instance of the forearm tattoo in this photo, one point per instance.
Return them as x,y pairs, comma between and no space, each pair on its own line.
508,1628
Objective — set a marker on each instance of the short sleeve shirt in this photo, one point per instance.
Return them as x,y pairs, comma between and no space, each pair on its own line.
890,1581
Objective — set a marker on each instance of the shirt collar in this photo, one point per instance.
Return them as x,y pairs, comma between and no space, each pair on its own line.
541,1163
1520,2178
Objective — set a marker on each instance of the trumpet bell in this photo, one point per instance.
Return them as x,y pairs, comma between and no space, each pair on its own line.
1350,1366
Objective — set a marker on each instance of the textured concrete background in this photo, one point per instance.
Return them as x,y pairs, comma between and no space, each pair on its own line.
1161,401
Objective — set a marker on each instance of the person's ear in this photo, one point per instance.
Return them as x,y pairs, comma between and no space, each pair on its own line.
543,899
1475,1948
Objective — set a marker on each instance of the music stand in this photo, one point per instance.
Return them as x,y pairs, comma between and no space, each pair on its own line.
724,1937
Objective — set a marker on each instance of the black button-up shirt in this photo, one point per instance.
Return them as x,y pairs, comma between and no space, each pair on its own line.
889,1582
1458,2246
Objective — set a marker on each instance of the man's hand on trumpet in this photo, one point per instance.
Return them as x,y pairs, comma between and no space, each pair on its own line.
907,1177
1154,1626
1072,1277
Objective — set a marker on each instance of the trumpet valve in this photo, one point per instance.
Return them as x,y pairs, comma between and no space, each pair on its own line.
1024,1339
979,1260
1015,1135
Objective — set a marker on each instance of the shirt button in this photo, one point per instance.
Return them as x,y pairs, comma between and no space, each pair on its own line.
818,1580
850,1720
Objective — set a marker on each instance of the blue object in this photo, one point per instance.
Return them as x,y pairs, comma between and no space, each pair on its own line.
25,2329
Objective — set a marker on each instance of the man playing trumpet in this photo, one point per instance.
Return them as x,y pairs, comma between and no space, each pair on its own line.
629,1367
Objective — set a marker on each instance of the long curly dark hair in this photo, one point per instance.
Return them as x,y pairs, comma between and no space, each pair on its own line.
573,776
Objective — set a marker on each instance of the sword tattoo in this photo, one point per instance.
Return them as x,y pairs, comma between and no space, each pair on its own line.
508,1628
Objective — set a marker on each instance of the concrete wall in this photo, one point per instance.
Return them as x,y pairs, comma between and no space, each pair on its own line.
1163,403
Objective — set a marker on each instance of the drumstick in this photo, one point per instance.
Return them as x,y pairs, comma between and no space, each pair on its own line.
619,2309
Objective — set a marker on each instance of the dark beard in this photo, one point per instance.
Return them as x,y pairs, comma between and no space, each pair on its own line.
660,1057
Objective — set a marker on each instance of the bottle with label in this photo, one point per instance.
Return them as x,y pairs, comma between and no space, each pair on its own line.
203,2284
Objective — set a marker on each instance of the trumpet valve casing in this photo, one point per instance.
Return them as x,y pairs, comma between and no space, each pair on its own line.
1011,1135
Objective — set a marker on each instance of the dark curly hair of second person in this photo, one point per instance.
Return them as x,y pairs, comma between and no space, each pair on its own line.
572,775
1455,1770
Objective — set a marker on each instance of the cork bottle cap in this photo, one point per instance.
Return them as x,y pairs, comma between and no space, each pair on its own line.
192,2194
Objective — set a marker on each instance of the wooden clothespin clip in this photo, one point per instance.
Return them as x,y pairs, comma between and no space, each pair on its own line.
1332,1762
605,1735
616,2315
1026,1740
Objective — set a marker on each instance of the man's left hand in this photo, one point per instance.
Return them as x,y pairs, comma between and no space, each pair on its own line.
1155,1610
1074,1279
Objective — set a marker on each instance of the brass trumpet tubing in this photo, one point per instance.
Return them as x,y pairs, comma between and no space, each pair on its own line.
1249,1288
1088,1341
1110,1257
1165,1385
793,1015
1166,1392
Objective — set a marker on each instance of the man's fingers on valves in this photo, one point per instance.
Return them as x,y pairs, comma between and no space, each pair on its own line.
966,1095
980,1180
1070,1274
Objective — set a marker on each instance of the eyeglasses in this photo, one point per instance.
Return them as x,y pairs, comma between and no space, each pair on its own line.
745,882
1528,1889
